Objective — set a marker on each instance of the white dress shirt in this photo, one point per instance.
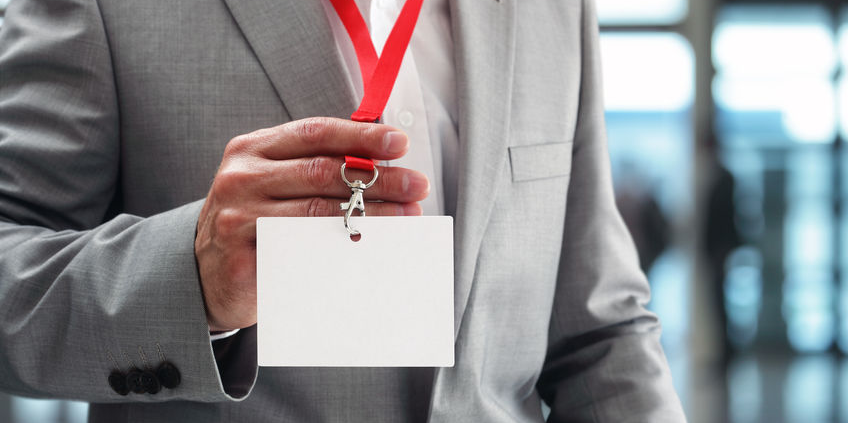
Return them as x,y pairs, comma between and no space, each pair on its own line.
423,100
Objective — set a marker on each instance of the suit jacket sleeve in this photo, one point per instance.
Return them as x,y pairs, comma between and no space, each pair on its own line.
83,293
604,361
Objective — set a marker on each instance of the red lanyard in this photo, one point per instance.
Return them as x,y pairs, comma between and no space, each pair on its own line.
378,74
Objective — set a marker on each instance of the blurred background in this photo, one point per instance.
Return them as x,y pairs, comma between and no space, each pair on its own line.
727,124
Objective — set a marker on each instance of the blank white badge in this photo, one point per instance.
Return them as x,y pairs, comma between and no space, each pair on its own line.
384,301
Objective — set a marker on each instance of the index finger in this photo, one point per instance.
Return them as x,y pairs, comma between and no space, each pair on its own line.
323,136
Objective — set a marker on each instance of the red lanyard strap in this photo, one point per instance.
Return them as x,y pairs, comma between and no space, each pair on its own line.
357,30
378,74
352,162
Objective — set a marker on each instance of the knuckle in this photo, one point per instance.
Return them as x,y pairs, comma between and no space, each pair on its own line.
234,179
228,222
369,132
311,129
318,207
239,145
319,172
387,182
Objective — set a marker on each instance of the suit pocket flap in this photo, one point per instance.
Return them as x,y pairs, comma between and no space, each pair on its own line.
540,161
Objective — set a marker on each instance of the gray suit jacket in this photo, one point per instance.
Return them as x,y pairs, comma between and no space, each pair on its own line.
113,118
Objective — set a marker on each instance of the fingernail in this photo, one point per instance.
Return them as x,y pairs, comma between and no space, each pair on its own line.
394,142
414,183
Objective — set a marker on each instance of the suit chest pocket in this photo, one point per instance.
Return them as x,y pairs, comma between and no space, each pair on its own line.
540,161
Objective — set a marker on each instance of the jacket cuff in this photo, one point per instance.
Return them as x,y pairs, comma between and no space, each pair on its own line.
169,315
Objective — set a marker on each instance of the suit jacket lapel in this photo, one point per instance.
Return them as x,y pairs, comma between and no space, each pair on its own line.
294,44
484,39
484,42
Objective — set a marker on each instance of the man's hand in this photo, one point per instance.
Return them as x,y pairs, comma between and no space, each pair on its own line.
289,170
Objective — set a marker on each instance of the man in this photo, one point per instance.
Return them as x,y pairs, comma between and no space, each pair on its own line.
118,258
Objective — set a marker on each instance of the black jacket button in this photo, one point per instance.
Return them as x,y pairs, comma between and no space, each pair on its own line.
150,382
118,382
168,374
134,382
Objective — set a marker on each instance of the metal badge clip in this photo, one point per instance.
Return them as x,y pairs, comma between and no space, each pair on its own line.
356,201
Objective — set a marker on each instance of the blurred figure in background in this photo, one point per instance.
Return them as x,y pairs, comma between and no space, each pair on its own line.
720,238
647,224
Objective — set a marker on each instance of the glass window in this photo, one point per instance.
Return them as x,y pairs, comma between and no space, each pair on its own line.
775,67
776,101
809,389
745,391
809,236
807,309
647,72
843,37
743,293
645,12
776,111
648,85
843,81
760,40
25,410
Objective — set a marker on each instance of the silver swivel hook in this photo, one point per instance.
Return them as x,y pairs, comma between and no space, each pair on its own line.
356,201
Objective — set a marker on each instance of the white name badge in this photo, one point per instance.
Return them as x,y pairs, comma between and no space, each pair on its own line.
384,301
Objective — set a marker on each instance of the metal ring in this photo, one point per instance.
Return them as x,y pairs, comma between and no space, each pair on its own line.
350,184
